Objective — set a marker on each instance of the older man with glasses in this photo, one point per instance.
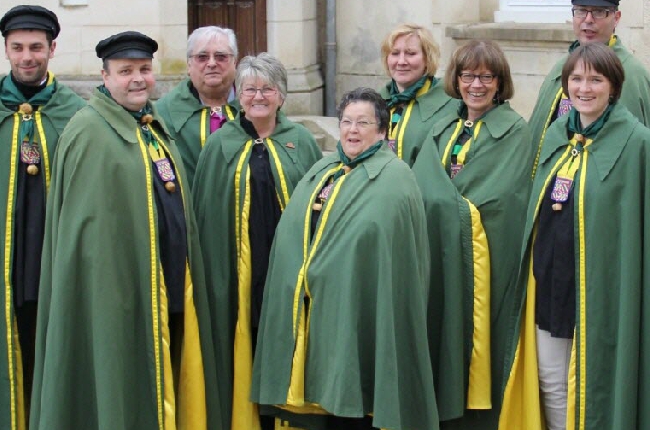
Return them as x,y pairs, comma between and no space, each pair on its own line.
593,21
200,104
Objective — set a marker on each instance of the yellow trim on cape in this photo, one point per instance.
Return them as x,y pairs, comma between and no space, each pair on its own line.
305,247
192,409
400,129
521,402
155,305
278,167
244,412
546,124
572,386
15,391
479,391
44,151
296,391
169,395
454,137
583,293
204,127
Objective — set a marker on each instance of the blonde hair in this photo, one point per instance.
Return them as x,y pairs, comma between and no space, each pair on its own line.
430,49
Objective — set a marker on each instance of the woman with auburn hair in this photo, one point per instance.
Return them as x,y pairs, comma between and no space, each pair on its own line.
414,95
485,149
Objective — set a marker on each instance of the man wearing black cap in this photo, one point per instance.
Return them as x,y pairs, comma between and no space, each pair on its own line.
34,109
123,335
594,21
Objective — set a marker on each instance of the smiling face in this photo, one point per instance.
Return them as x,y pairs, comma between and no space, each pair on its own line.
589,92
406,61
264,104
589,30
212,78
29,53
477,95
359,128
130,81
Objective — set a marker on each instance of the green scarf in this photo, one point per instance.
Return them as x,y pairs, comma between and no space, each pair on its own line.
592,129
146,110
462,113
395,97
13,98
353,163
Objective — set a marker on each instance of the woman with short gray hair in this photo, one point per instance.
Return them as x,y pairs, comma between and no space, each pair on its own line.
244,177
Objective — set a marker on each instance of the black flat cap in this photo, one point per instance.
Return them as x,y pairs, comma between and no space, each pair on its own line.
128,44
598,3
26,17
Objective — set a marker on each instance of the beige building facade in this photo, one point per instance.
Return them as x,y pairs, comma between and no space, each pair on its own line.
533,33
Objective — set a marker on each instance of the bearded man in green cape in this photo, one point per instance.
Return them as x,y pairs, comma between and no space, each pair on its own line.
594,21
123,333
34,109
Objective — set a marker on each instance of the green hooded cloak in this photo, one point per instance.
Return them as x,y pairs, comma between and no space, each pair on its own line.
222,198
611,350
50,120
343,327
495,181
102,351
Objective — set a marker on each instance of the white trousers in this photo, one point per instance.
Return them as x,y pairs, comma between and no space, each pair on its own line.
553,357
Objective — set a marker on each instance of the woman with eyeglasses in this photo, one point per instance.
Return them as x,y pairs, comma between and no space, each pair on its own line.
581,344
343,337
414,95
485,149
246,173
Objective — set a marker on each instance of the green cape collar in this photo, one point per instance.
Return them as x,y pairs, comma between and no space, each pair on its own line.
498,121
119,118
604,154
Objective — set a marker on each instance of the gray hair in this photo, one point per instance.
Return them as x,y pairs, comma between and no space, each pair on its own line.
210,33
263,66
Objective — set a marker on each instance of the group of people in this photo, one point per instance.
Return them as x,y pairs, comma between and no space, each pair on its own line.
197,263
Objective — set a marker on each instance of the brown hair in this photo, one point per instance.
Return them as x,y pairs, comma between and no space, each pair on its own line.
474,54
600,58
430,49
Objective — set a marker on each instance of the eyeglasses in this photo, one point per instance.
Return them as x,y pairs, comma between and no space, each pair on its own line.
219,57
363,124
468,78
252,91
579,12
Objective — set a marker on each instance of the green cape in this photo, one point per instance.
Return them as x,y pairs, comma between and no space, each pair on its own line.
222,202
363,348
188,122
635,95
52,117
100,354
426,110
495,180
611,355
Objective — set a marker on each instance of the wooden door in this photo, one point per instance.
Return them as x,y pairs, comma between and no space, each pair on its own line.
247,18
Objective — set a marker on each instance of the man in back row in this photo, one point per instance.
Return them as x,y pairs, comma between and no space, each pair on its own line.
34,109
202,103
594,21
